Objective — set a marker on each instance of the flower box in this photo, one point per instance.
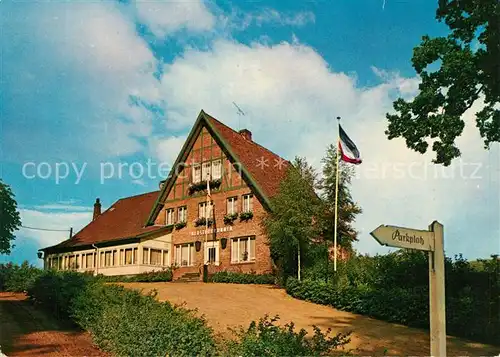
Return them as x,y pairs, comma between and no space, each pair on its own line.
229,218
245,216
180,225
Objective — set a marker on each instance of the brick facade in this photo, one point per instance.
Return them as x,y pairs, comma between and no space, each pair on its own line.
205,149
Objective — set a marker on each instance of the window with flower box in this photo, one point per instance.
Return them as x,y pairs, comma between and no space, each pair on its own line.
247,203
170,216
182,214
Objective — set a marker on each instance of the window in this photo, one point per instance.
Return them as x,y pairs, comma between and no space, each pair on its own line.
155,257
216,169
232,205
128,256
247,203
182,214
170,216
184,255
115,258
72,262
203,212
196,172
243,250
145,256
89,260
212,252
166,259
205,170
107,258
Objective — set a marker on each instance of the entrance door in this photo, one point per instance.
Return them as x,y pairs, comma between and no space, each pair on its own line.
212,253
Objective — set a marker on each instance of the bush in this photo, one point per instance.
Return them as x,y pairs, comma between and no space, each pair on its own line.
149,277
127,323
266,339
122,321
18,278
395,288
241,278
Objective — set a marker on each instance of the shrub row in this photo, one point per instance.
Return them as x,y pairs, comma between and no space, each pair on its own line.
409,307
149,277
123,321
17,278
241,278
394,287
127,323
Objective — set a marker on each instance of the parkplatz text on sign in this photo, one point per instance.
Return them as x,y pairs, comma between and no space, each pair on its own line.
432,241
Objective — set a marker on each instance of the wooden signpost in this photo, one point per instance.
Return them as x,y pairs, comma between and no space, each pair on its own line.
431,241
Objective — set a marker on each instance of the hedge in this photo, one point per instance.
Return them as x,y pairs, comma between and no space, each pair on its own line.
126,323
163,275
241,278
378,288
121,321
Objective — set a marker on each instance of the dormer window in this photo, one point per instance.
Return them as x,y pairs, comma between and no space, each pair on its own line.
216,169
205,170
196,173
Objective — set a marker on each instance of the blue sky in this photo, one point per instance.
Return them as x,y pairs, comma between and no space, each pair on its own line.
91,85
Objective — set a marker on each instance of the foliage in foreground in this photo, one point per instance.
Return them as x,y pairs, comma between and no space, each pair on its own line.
121,321
128,323
395,288
241,278
265,338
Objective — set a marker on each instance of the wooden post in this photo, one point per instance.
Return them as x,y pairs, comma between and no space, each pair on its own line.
437,302
298,273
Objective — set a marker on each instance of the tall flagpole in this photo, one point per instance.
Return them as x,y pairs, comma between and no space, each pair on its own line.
206,215
336,203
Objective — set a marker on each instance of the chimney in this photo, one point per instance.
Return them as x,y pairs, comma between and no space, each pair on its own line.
247,134
97,209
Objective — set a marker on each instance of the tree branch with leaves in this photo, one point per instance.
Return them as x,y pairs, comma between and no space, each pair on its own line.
468,69
9,218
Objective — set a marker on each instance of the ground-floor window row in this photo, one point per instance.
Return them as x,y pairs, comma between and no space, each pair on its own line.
109,258
242,251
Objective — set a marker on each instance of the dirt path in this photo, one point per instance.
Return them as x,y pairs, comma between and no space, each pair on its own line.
228,305
27,331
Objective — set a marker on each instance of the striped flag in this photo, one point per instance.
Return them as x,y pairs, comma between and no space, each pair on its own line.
348,150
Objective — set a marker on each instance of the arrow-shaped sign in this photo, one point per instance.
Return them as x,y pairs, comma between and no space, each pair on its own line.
401,237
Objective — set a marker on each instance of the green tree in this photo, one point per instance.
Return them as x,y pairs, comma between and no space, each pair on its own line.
292,222
347,208
9,218
468,68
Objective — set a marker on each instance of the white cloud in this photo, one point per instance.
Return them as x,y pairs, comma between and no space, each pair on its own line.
288,19
167,149
60,207
81,62
54,221
290,106
166,17
239,20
